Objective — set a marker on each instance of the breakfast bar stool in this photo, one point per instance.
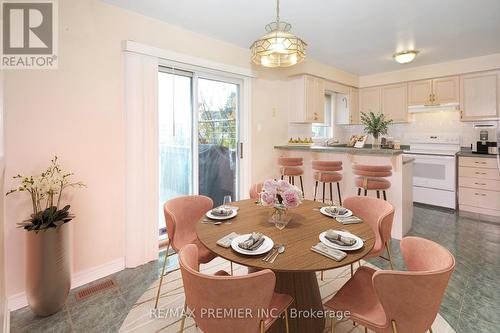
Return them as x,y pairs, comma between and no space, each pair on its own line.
291,167
371,178
326,172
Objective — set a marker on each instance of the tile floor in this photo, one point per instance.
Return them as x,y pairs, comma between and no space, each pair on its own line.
471,303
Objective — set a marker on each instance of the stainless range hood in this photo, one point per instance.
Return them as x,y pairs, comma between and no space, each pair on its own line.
433,108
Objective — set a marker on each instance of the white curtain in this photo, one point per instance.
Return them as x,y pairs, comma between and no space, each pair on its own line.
141,211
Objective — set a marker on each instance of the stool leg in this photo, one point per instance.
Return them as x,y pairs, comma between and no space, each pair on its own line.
385,197
315,190
331,193
293,180
281,177
378,194
323,192
359,191
366,192
290,179
301,185
338,191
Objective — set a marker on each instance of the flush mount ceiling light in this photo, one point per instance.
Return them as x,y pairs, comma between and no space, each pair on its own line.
279,47
405,57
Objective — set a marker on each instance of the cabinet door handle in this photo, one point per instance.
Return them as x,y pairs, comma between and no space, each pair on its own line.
480,162
482,184
480,194
480,173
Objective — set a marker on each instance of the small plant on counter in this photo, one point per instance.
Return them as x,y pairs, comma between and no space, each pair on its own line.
45,191
375,124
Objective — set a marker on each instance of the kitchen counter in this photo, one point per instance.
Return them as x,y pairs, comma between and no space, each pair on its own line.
367,150
400,194
467,152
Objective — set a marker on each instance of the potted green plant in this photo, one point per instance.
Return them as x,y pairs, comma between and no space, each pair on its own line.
375,125
48,257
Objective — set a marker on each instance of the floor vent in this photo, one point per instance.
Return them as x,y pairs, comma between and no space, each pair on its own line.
95,289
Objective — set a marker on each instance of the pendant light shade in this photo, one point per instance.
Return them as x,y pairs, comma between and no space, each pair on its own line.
279,47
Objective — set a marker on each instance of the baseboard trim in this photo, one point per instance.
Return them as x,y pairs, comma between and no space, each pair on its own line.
6,319
81,278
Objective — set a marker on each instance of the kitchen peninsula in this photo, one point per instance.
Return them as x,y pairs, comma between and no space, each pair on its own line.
399,194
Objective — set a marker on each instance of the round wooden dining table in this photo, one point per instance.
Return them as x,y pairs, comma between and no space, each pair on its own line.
295,268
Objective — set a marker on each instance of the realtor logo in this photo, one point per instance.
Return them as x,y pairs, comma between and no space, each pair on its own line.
29,34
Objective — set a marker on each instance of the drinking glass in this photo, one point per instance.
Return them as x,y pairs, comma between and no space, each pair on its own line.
227,200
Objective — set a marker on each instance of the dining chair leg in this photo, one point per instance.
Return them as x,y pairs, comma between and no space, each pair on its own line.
315,190
331,193
394,328
231,267
352,270
333,324
385,196
387,246
338,191
324,192
430,330
378,194
359,263
162,275
261,326
301,185
183,320
359,191
286,320
366,192
366,330
321,276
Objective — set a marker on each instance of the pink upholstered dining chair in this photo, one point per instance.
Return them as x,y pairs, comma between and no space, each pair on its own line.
253,293
398,301
181,215
255,190
379,214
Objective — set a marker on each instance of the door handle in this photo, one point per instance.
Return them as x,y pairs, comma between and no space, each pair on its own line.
241,149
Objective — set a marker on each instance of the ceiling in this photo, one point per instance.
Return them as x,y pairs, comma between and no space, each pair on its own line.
358,36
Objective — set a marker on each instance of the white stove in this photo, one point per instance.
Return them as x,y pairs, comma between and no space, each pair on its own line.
434,168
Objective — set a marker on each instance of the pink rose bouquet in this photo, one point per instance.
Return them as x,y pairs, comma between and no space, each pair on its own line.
280,194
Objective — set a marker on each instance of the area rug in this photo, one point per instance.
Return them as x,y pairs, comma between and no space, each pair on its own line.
142,318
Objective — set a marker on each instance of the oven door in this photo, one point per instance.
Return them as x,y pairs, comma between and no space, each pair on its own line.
434,171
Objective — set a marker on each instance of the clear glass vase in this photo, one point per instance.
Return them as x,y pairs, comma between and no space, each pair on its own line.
280,217
376,142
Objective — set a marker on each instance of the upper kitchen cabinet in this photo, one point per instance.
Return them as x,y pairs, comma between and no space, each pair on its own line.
479,96
394,102
347,107
370,99
439,91
306,99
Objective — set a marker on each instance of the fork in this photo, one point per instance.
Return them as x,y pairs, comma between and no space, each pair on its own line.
271,253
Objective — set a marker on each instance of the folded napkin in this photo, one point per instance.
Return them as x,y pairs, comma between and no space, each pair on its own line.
222,211
329,252
253,242
349,220
226,240
333,210
338,239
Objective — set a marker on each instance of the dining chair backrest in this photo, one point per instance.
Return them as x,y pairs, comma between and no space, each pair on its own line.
181,215
225,303
412,298
255,190
378,213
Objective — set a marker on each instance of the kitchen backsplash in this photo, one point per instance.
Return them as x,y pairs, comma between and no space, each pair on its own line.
432,122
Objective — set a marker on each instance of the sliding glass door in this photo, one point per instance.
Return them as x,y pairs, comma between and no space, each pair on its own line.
199,136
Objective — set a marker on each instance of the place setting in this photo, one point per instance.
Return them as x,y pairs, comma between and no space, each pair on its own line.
334,243
339,213
221,214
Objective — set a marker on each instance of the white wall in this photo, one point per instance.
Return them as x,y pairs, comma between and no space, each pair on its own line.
3,299
77,113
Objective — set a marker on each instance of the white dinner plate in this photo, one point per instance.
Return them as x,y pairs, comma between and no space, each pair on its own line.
265,247
324,212
356,246
215,217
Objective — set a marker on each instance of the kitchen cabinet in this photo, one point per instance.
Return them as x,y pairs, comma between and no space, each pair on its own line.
394,102
306,99
479,96
347,107
445,90
479,185
370,99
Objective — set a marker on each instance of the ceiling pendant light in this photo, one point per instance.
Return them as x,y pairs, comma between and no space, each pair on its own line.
405,57
279,47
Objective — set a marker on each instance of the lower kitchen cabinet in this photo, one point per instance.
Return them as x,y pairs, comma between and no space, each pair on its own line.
479,185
